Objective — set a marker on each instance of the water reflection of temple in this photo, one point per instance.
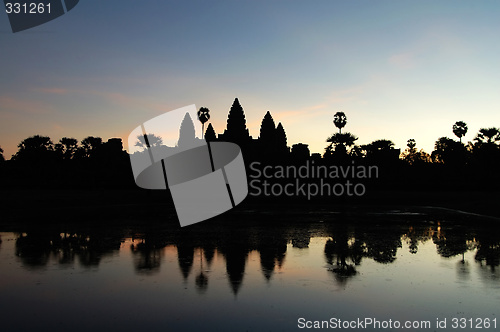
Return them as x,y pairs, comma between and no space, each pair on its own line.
346,246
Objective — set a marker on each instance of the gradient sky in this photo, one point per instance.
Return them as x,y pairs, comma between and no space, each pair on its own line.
398,69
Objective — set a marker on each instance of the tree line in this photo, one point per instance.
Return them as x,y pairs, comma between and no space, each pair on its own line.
93,161
68,163
484,148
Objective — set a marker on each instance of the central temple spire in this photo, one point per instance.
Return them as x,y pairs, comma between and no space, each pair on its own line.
236,124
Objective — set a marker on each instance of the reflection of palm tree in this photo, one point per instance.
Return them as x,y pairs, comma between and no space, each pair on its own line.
203,116
416,235
463,269
460,129
488,250
340,120
201,280
451,242
382,244
148,257
337,253
343,251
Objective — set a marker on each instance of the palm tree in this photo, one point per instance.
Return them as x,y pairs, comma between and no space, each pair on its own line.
346,138
203,116
412,156
488,135
411,144
460,129
340,141
89,146
67,147
34,148
340,120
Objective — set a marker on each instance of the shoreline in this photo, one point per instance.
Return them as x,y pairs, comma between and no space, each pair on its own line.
73,206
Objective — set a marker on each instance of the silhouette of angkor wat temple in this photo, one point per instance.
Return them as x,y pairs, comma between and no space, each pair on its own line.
271,145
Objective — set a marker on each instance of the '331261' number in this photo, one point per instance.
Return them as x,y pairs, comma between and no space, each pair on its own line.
27,8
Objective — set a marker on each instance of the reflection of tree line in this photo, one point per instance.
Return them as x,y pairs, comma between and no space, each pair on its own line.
347,246
36,249
350,244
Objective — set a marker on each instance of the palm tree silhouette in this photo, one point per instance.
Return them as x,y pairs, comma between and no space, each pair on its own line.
203,116
411,144
488,135
67,147
340,120
347,139
460,129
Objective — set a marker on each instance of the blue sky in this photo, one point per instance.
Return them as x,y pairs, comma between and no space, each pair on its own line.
398,69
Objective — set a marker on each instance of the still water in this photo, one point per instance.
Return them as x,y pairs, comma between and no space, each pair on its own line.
257,276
